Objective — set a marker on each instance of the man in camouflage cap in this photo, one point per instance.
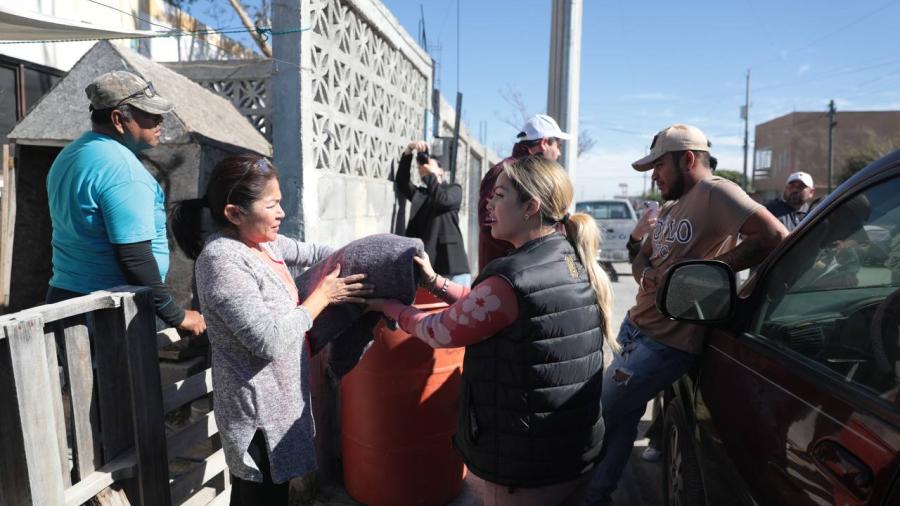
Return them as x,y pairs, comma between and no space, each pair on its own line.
108,212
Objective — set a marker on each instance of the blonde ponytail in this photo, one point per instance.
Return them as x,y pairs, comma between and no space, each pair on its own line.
584,236
536,176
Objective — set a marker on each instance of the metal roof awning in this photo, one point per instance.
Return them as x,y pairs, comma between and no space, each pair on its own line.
22,25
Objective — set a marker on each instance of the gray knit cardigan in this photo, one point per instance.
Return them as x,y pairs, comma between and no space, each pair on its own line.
260,357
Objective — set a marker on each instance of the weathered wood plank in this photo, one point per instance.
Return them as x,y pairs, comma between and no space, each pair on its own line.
187,484
13,475
185,439
146,398
65,309
166,337
56,401
182,392
222,499
85,416
91,484
28,360
8,218
114,394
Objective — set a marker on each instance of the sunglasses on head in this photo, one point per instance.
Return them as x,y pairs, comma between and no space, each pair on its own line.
148,91
262,165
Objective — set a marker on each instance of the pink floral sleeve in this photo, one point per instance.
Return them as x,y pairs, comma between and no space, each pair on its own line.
482,312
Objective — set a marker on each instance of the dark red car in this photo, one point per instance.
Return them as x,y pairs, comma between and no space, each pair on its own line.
796,399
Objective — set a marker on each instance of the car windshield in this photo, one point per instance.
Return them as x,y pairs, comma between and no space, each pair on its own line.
604,210
834,296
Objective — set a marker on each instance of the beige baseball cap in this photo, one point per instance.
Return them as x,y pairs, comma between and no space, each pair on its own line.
678,137
120,87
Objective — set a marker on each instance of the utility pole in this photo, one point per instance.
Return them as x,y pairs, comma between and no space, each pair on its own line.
564,74
455,146
831,125
288,133
745,114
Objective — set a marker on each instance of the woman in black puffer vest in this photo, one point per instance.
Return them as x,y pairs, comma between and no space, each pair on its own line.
530,421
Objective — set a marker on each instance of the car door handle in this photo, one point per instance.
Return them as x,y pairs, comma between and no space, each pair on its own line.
846,468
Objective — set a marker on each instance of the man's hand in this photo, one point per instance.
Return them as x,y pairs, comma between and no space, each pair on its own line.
193,323
645,224
420,146
649,279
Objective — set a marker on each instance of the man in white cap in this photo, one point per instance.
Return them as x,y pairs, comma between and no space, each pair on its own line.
541,135
701,220
107,211
793,205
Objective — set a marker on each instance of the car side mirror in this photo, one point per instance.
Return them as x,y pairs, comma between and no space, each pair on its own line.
698,291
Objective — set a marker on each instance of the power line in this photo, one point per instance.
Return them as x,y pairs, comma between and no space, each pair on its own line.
135,16
159,35
174,33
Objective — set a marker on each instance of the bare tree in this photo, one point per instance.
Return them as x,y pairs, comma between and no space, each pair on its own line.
260,13
586,142
248,24
517,114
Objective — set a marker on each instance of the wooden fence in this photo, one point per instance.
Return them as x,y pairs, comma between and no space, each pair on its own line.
118,407
7,221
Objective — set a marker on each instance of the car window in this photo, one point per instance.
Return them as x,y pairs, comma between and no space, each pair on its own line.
835,295
604,210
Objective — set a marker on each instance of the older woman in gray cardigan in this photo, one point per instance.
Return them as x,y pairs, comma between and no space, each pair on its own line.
257,326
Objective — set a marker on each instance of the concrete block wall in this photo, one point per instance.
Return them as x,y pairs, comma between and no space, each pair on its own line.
366,99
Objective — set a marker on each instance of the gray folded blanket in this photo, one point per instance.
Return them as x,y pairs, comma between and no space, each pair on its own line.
387,260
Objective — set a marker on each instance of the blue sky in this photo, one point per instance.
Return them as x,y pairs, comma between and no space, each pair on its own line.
649,64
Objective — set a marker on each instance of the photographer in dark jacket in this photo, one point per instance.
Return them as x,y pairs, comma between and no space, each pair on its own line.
434,214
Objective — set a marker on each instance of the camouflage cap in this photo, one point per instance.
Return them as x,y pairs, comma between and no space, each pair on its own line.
120,87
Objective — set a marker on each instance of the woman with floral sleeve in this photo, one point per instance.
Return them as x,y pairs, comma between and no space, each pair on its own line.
530,422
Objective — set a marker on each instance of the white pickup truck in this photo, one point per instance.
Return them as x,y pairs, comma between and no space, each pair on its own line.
616,219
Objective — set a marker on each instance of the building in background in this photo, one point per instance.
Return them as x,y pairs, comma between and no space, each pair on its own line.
37,20
799,142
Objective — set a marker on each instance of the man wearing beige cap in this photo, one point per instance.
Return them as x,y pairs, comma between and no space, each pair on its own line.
701,220
793,205
108,212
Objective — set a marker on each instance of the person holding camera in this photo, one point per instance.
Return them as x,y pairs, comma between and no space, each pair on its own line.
434,213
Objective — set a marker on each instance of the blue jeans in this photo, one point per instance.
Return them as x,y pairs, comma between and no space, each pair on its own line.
462,279
639,371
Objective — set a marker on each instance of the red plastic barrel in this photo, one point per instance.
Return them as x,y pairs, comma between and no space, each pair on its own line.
398,414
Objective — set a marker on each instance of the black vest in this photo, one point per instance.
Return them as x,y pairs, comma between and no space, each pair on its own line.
530,400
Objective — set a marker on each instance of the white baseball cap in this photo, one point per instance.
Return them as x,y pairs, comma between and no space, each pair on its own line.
541,126
675,138
803,177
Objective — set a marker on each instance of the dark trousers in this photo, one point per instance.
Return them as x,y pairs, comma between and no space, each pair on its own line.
251,493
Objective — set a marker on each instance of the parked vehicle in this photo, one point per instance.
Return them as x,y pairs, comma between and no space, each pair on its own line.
796,399
616,219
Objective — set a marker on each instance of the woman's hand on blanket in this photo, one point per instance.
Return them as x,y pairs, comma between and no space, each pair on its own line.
347,289
427,274
335,290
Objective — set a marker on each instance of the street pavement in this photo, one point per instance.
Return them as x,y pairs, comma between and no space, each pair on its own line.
642,482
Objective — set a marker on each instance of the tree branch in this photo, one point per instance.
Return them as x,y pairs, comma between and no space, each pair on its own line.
248,24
